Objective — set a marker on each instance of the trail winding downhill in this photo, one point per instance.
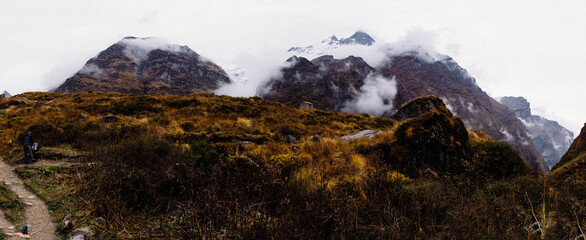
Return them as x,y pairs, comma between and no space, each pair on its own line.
36,210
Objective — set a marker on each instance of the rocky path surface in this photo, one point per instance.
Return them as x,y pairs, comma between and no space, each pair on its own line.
36,210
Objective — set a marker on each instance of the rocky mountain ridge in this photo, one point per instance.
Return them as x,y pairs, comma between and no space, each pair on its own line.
417,77
410,75
550,138
324,81
351,85
146,66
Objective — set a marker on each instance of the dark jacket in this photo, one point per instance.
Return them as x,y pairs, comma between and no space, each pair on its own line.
28,140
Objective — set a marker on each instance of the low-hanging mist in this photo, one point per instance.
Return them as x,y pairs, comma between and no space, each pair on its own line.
375,97
250,72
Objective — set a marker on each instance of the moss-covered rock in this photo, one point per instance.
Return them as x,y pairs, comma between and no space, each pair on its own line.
431,140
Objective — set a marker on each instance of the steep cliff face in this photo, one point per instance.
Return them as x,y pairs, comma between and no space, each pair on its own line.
550,138
146,66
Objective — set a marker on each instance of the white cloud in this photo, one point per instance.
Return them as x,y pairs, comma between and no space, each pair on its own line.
91,69
508,137
419,42
258,71
375,97
138,49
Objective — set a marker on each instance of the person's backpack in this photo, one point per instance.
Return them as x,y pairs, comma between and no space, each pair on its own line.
35,146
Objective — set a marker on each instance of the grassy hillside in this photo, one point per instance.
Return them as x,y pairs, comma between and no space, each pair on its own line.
228,168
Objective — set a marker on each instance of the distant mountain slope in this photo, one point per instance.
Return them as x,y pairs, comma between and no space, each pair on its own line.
146,66
327,82
396,81
577,149
550,138
444,78
568,176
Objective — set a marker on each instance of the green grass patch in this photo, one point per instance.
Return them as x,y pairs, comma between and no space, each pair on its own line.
11,204
57,185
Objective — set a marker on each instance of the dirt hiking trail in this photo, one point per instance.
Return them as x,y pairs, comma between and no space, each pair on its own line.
37,216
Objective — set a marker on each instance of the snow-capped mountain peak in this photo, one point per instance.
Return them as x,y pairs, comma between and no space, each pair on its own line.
324,47
328,45
359,37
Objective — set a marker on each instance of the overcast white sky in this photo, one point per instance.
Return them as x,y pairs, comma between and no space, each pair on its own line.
535,49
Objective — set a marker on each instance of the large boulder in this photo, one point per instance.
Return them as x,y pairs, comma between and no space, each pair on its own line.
430,140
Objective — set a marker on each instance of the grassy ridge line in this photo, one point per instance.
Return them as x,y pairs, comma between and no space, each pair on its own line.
220,167
78,119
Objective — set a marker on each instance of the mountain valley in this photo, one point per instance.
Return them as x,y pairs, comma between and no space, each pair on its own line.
405,147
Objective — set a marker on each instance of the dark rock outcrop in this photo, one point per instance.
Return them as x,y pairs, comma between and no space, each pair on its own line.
431,139
133,66
420,106
550,138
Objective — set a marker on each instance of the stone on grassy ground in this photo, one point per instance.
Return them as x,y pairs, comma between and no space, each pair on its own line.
66,224
361,135
81,233
102,221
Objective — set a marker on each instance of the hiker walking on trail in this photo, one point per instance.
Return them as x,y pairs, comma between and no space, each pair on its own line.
28,149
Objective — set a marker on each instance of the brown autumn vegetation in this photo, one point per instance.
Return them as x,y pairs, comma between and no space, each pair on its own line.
220,167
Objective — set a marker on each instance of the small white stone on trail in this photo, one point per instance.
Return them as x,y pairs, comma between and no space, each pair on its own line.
31,197
11,227
9,234
20,197
28,203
